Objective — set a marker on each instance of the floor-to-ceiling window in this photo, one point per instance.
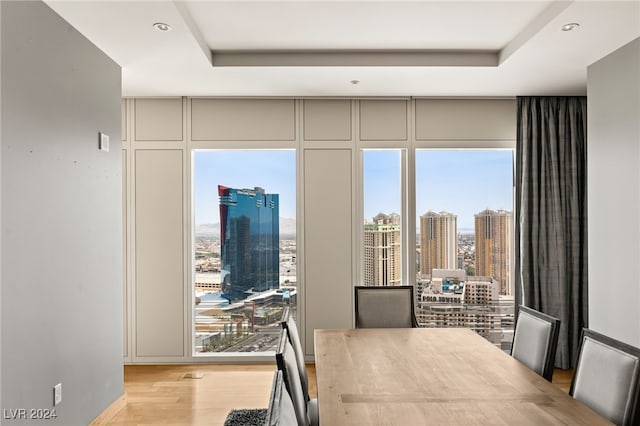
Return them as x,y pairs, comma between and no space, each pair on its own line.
464,221
382,239
463,253
244,251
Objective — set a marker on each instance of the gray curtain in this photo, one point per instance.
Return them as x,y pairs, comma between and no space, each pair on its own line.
551,214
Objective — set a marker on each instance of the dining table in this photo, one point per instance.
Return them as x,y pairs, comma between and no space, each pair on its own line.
433,376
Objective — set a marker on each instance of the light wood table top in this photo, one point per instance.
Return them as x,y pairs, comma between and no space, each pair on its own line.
435,376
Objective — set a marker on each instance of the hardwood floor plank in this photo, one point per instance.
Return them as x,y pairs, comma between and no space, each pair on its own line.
107,415
163,395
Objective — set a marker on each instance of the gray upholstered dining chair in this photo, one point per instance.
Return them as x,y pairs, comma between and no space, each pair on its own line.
306,412
280,411
535,340
289,324
385,307
607,378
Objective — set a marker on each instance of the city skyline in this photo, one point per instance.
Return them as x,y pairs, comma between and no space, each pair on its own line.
456,178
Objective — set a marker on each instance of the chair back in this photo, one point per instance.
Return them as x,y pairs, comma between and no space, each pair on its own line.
286,360
280,411
289,324
385,307
607,378
535,340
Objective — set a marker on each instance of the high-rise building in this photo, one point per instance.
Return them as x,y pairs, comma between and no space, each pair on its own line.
481,291
454,299
382,251
249,241
494,231
438,241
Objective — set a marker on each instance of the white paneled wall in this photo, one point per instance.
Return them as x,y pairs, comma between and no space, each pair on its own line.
154,144
469,119
159,244
243,120
327,119
328,226
125,248
158,119
158,136
384,120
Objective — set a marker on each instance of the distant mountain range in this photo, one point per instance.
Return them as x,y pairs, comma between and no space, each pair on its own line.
287,228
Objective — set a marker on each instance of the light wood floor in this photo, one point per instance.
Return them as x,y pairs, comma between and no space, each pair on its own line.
562,379
194,394
204,394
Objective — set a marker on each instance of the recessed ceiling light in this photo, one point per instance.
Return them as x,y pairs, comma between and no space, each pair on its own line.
354,82
571,26
160,26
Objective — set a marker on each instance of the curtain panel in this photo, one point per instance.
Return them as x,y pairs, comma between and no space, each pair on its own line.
551,214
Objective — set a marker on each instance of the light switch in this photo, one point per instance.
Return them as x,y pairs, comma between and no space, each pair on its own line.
103,142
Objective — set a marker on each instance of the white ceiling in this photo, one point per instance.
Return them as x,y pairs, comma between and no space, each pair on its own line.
523,41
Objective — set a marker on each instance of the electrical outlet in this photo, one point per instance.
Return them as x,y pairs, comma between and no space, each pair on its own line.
57,394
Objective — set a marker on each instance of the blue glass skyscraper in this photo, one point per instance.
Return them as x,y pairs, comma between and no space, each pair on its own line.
249,241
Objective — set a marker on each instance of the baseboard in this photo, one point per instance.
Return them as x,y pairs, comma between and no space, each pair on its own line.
110,412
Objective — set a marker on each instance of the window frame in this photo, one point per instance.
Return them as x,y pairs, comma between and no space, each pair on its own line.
408,214
409,229
190,150
404,251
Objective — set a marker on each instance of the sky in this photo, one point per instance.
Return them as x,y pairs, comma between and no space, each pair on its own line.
462,182
272,170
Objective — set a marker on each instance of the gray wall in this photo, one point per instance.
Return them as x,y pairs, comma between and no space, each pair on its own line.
61,271
0,211
613,90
